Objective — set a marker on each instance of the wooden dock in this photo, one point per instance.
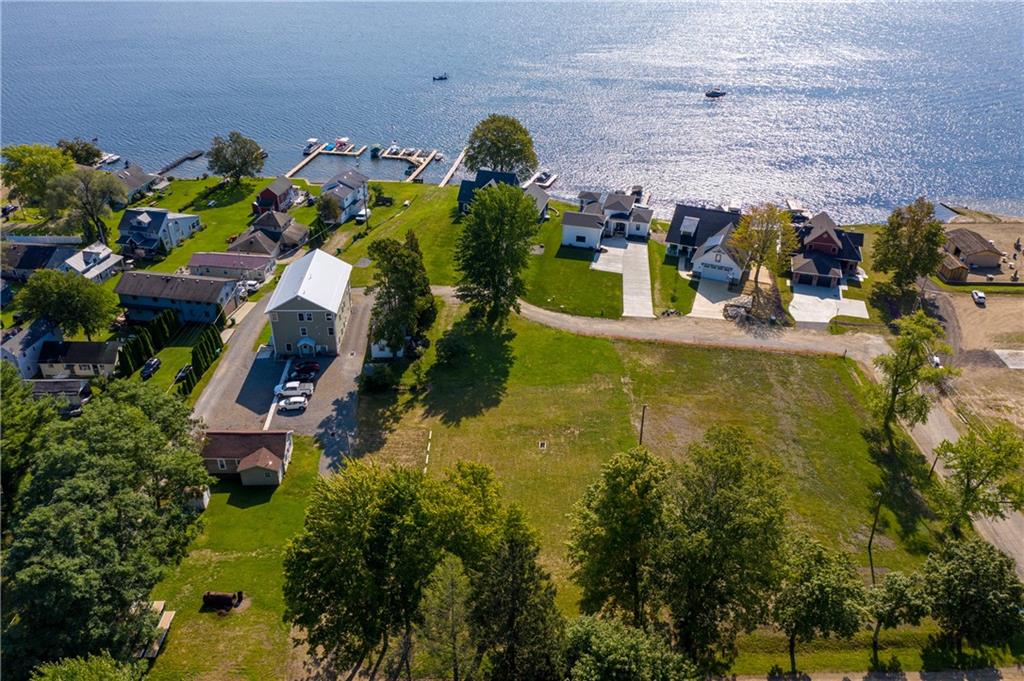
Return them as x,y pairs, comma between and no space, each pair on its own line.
423,166
455,166
305,161
190,156
350,150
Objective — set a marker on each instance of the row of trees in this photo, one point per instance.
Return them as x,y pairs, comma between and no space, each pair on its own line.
204,353
700,552
146,340
104,506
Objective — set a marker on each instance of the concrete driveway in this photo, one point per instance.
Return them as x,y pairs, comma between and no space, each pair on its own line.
610,259
628,258
711,299
819,304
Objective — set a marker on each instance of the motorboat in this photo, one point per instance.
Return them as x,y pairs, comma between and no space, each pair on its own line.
715,93
375,151
311,144
443,76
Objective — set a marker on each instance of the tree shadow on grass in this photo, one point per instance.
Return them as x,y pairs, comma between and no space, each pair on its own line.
244,497
941,656
471,371
377,416
891,303
573,253
904,475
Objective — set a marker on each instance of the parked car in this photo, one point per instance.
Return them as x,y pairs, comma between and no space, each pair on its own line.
182,373
307,365
296,403
293,389
149,368
302,376
979,297
250,286
936,362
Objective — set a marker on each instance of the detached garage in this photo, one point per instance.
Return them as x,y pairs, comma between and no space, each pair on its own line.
582,230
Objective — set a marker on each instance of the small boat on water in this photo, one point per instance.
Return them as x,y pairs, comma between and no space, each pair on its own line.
311,144
263,153
715,93
545,179
439,157
375,151
443,76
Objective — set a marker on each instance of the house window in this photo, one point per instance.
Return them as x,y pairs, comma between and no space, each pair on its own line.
718,257
273,316
328,316
266,474
302,316
330,330
580,239
302,331
222,465
287,347
83,367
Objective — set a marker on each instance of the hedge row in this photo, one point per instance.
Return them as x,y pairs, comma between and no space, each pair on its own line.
148,339
204,354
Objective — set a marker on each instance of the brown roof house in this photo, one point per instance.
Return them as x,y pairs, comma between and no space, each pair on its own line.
257,457
254,242
972,249
237,266
281,228
826,253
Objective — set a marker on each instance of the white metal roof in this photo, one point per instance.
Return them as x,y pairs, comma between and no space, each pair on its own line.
316,278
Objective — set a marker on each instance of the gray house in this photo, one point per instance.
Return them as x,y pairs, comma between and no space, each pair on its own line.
352,189
22,345
196,299
148,231
310,306
135,181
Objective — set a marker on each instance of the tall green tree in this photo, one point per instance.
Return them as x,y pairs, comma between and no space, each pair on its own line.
975,593
235,157
766,237
92,668
87,195
900,599
820,596
24,420
726,531
355,574
493,250
608,650
986,474
910,244
81,151
907,370
28,168
328,208
501,143
403,304
514,618
444,632
107,506
617,529
69,300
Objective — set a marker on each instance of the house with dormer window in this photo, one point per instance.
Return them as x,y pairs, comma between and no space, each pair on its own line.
146,232
827,254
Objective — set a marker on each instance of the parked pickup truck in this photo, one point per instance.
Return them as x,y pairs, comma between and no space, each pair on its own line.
293,389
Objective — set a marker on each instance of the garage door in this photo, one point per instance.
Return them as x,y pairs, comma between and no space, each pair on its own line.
716,272
806,279
825,281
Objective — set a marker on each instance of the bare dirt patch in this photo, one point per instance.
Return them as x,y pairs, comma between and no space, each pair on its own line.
982,328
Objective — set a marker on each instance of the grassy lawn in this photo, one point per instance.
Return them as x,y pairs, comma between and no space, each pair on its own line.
582,397
671,291
240,549
561,279
263,338
176,354
966,289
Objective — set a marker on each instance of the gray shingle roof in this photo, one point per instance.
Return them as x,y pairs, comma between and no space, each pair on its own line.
539,196
588,220
253,242
619,202
184,287
79,352
969,242
280,185
274,220
709,223
133,177
250,261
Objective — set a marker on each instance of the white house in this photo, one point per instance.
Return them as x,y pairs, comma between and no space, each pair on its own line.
352,189
310,306
22,346
95,262
718,260
381,350
618,215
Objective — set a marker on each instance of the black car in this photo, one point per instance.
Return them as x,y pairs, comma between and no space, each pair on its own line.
182,373
307,365
303,376
149,368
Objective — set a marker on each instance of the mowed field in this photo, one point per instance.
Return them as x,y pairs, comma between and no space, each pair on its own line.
545,409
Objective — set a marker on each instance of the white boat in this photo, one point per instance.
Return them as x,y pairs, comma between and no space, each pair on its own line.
311,144
112,158
439,157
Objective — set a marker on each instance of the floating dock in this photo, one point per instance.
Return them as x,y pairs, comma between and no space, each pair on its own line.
305,161
190,156
423,166
455,166
349,150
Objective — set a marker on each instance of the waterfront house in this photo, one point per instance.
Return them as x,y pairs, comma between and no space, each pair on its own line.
615,215
972,249
20,261
257,457
136,182
352,189
700,238
278,195
78,359
717,259
310,306
95,262
196,299
826,253
145,232
484,178
254,242
540,200
22,345
236,266
281,228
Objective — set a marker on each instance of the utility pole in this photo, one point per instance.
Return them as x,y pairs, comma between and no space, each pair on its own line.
871,539
643,417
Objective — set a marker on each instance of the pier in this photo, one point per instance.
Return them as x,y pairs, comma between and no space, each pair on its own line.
305,161
455,166
423,166
349,150
192,155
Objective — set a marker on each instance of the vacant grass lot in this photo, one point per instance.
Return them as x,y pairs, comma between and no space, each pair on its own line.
581,397
671,291
240,549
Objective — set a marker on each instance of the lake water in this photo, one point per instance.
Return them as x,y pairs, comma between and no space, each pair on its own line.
852,108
